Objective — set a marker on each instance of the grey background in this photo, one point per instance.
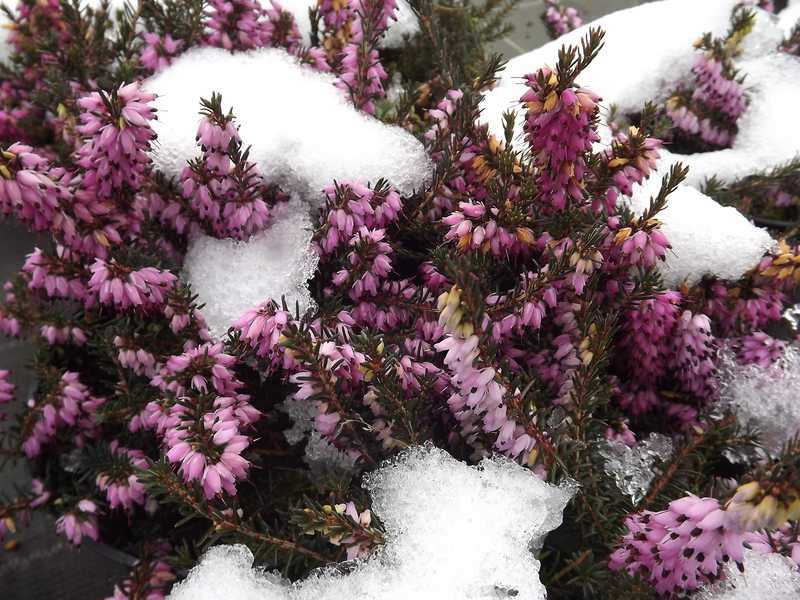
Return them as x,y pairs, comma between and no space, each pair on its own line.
45,566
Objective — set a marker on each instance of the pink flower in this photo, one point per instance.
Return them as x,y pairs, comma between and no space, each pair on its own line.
82,521
648,336
785,541
478,399
760,349
29,187
694,354
560,130
350,207
361,73
7,388
60,275
68,405
120,483
41,495
158,53
236,25
223,188
152,576
118,132
262,328
280,28
560,20
680,548
114,284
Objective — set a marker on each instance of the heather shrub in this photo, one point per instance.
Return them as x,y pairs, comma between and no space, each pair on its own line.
338,255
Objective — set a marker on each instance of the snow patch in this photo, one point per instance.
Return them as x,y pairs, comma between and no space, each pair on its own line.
789,17
765,576
303,133
231,277
453,532
706,238
764,398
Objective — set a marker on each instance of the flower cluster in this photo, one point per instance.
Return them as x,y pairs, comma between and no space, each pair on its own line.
351,207
559,129
560,19
124,288
343,525
760,349
223,188
150,578
158,52
235,25
710,110
361,74
202,418
120,484
117,128
7,388
69,405
682,547
80,522
19,509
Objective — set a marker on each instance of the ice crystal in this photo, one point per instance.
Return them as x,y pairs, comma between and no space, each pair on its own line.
632,468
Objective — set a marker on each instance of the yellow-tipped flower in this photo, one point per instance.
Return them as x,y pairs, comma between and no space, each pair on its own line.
10,525
551,101
618,162
526,236
758,508
785,265
623,234
452,313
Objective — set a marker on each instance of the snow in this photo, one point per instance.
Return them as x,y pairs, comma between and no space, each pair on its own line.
789,17
764,398
453,532
303,133
302,414
405,25
326,461
765,576
706,238
646,48
633,468
227,573
5,46
231,277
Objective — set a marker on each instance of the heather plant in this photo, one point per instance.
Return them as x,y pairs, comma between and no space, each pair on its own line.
512,303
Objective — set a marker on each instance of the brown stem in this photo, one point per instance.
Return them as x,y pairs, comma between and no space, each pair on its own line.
695,440
571,565
223,523
22,503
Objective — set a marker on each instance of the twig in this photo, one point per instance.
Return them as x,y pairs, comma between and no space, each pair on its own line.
571,565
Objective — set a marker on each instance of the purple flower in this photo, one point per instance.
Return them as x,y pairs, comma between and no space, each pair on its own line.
682,547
